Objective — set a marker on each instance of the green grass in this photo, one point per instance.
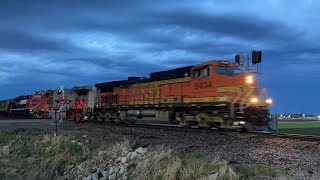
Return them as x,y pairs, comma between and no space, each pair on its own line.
42,154
193,156
304,128
250,172
290,125
6,137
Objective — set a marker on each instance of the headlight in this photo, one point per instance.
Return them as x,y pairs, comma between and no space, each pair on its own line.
249,79
242,122
254,100
269,101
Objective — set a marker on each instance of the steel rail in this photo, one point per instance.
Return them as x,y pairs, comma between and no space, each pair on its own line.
215,130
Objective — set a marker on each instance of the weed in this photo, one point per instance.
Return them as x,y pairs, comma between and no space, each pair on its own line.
161,163
46,157
190,157
287,171
246,173
252,171
6,137
267,170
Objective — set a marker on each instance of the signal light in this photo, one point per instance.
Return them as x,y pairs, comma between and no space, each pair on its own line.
269,101
239,59
256,57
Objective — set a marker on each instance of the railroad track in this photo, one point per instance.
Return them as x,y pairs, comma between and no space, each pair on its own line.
195,129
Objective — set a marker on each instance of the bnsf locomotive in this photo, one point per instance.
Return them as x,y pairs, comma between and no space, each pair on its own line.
211,94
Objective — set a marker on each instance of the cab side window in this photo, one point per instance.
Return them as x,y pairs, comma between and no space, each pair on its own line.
201,72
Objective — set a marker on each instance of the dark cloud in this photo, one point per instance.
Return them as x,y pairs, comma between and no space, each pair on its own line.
21,41
47,43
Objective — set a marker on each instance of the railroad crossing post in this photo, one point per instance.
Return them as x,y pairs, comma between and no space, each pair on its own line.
55,118
61,114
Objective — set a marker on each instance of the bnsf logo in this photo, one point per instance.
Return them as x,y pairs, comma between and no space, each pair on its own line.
146,93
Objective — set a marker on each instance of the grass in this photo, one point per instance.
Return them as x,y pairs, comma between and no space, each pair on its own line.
6,137
304,128
6,124
296,125
162,163
255,171
41,155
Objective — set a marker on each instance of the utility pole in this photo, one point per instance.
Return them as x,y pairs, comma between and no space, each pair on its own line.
56,123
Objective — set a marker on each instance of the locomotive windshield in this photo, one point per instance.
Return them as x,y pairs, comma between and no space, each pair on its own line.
227,71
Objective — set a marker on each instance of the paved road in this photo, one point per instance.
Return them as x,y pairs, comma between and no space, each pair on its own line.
38,124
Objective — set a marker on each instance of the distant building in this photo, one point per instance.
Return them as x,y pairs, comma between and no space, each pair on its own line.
297,117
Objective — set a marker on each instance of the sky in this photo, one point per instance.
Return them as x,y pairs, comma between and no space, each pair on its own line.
44,44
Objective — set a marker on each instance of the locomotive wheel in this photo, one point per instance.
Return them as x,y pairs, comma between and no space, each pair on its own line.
78,117
120,121
100,118
72,117
186,124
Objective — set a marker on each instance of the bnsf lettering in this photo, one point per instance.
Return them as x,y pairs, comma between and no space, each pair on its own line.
202,85
146,93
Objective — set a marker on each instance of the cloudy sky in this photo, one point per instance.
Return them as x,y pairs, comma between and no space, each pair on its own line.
47,43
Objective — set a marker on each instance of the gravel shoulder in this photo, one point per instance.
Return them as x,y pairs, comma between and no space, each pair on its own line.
291,158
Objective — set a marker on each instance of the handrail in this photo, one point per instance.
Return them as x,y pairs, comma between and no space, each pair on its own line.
245,98
234,101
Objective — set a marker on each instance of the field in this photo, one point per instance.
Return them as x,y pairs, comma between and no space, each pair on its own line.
305,128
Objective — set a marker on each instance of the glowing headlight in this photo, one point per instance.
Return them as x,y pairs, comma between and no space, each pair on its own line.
242,122
269,101
249,79
254,100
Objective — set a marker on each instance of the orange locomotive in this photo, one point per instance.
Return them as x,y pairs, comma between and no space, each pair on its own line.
212,94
